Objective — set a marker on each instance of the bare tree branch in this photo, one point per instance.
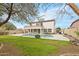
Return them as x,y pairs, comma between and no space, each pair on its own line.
74,7
9,15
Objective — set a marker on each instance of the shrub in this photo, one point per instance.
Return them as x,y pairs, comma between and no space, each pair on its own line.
3,33
37,36
77,33
58,30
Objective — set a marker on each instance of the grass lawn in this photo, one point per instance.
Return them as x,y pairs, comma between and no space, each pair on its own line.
33,46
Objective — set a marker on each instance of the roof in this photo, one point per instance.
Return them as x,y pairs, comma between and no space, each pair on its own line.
44,21
74,22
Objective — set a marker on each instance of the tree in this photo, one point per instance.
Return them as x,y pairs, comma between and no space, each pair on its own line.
28,11
9,10
74,7
62,11
58,30
21,11
8,26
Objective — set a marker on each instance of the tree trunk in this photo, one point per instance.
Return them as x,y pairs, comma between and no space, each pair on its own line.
74,7
9,15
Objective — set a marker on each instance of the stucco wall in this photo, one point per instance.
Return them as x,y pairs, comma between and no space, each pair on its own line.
49,25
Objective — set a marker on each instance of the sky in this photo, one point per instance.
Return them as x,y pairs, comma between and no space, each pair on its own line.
62,20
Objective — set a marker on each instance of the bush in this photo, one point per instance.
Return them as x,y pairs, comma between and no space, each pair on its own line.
77,33
37,36
58,30
3,33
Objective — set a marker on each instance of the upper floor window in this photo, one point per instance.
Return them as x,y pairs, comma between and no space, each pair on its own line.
38,24
33,24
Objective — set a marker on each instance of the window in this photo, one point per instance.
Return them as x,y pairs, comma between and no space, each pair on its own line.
33,24
45,30
38,24
49,30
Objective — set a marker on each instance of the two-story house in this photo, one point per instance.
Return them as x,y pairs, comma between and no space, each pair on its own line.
41,27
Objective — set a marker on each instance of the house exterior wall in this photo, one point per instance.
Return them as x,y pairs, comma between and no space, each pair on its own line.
49,25
44,26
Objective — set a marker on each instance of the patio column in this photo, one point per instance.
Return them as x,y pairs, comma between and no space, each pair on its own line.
31,30
40,31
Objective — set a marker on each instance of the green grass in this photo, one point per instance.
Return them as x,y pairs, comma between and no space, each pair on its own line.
33,46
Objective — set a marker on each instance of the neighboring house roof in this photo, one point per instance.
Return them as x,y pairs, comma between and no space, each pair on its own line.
74,22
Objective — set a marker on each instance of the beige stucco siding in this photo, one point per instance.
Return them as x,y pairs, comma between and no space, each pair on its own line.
49,25
33,27
44,26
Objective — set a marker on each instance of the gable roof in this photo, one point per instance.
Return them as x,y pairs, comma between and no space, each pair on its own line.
44,21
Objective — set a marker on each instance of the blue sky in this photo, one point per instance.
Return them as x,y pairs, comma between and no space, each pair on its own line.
63,21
